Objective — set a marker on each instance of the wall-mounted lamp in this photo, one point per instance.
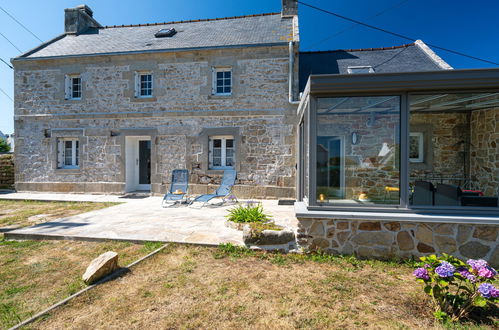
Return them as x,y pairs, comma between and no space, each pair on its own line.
114,133
47,133
355,138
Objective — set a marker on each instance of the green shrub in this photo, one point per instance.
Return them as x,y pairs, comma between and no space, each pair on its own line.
252,212
4,146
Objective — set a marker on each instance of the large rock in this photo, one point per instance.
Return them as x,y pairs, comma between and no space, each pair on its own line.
424,234
488,233
101,266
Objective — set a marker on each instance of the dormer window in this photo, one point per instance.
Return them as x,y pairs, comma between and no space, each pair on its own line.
360,69
163,33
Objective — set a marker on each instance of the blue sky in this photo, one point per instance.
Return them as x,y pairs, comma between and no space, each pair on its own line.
466,26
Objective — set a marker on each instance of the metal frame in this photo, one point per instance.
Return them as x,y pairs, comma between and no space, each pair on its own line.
404,85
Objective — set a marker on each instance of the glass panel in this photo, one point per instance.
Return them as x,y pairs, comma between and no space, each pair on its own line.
358,150
220,75
76,87
227,89
77,152
217,143
457,164
229,143
220,89
217,161
68,153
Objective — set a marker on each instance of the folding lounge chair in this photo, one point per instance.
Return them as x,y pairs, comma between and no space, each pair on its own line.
178,188
224,191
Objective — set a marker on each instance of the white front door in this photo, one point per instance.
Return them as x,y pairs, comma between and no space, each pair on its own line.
138,163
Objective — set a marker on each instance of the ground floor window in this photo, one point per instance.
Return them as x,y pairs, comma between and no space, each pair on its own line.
222,152
67,153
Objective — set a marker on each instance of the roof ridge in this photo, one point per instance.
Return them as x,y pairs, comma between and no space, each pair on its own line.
190,21
360,49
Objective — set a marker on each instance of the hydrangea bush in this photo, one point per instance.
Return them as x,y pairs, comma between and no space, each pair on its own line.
455,286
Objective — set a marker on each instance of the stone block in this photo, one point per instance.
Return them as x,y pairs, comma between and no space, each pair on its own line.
494,258
445,244
319,244
423,248
405,241
474,250
488,233
370,226
392,226
373,238
444,229
342,236
464,233
342,225
317,229
424,234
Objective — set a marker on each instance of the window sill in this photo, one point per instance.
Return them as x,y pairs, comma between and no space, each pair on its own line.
144,99
302,211
219,96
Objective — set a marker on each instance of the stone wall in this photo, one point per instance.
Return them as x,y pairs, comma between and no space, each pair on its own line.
399,239
445,142
6,171
182,106
485,151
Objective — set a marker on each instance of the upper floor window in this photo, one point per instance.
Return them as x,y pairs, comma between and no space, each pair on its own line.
222,81
73,87
143,84
68,153
222,152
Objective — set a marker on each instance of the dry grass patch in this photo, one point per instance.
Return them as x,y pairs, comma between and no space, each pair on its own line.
37,274
195,287
28,213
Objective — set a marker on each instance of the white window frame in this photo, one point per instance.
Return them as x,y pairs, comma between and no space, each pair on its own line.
360,69
61,153
138,85
69,86
224,139
215,70
420,136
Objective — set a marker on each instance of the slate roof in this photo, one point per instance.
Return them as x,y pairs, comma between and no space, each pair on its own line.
208,33
406,58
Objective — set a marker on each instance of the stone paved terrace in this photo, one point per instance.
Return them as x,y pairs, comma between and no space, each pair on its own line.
145,220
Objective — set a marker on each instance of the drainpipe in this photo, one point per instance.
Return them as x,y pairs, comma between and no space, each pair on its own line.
291,67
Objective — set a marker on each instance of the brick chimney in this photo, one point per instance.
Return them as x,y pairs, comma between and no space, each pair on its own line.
289,8
77,20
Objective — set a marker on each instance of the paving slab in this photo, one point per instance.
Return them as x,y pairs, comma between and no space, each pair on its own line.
61,197
141,220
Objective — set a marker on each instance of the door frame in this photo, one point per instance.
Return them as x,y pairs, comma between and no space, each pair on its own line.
132,170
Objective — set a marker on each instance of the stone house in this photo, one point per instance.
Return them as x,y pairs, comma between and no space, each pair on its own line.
113,109
388,151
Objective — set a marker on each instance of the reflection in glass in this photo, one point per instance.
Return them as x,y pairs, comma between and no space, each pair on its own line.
364,171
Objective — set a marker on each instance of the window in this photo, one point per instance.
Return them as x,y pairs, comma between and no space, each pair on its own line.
366,172
73,87
222,81
68,153
416,147
360,69
222,154
143,84
165,33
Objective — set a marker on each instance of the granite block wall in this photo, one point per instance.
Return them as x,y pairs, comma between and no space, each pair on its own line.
399,239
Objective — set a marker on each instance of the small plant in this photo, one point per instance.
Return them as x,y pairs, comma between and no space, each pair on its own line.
252,212
457,287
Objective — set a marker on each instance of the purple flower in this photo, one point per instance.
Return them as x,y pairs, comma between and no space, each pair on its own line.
487,290
421,273
426,266
477,264
445,269
466,274
487,272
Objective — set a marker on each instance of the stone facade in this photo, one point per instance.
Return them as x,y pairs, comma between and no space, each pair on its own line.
399,239
6,171
181,108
